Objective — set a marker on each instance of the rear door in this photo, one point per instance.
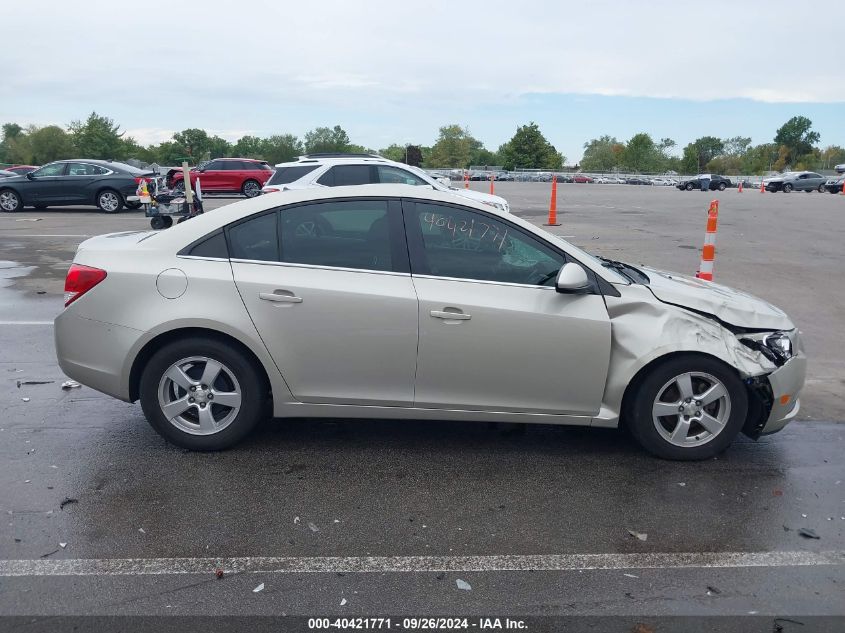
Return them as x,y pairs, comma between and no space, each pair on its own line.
328,286
494,333
78,181
342,175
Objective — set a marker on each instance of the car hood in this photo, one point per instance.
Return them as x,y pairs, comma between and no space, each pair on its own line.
731,306
478,195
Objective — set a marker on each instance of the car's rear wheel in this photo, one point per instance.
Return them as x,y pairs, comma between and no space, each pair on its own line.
722,186
689,186
821,188
202,394
787,187
690,407
109,201
10,201
251,188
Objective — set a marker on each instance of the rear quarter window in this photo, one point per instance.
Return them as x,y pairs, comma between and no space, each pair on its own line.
287,175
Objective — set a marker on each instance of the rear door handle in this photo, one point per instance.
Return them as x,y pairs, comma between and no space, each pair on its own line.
450,316
280,296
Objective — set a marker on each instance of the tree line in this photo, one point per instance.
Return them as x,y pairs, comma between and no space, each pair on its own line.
794,146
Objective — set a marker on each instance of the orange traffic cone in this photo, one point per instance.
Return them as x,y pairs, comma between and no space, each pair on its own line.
740,186
466,180
762,187
492,178
553,205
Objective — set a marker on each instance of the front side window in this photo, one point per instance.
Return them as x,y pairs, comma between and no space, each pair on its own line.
397,176
343,234
341,175
465,244
56,169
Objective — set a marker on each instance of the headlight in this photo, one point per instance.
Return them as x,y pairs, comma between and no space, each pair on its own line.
780,344
776,346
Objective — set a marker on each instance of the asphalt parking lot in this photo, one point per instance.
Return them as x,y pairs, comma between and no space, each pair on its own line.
535,520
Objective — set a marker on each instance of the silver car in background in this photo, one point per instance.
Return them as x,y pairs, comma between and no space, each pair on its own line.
796,181
402,302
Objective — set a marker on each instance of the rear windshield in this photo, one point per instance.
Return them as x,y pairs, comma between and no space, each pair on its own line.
285,175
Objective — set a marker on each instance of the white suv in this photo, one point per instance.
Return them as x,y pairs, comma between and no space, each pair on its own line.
335,170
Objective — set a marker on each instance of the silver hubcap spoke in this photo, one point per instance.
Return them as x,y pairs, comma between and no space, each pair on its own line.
8,201
199,395
691,409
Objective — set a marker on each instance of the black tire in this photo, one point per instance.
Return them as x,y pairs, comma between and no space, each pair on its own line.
690,186
787,187
109,201
157,222
10,201
722,186
251,188
251,380
821,188
133,205
168,221
644,428
40,207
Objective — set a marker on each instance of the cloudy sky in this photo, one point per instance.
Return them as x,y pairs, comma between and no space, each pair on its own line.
393,71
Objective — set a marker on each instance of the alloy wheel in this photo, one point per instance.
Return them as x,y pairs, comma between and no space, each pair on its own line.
691,409
199,395
109,201
251,189
9,201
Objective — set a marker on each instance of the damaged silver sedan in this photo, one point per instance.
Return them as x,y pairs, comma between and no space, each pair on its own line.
392,302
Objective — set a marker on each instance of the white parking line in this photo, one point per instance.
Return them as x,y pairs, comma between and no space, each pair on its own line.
405,564
26,323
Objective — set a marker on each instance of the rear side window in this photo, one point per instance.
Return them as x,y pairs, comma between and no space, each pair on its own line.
255,239
342,175
348,234
286,175
214,246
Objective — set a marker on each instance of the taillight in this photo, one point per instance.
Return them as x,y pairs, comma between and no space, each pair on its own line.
80,279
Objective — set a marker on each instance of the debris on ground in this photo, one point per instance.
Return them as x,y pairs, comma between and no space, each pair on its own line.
712,590
343,602
258,588
463,585
296,520
34,382
808,533
642,536
642,628
142,531
25,399
803,516
440,576
49,553
682,484
70,384
777,492
67,501
218,573
63,545
630,576
313,527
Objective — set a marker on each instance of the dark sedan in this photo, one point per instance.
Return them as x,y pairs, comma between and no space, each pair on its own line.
106,184
716,182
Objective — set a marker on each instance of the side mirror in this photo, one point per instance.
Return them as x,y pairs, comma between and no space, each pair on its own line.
571,279
29,176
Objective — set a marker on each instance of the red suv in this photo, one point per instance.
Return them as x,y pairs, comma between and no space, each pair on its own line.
225,175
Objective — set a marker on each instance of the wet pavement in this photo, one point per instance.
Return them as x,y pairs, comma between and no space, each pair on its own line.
86,471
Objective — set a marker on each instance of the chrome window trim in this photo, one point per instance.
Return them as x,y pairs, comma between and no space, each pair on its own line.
202,258
314,267
486,281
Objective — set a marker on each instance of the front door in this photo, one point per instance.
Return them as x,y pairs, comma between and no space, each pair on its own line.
328,287
47,185
494,333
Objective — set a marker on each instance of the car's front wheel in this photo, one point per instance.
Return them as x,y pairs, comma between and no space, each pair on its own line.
10,201
690,407
251,188
689,186
202,394
109,201
821,188
722,186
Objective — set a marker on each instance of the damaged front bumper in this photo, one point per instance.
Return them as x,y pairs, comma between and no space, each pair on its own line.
773,398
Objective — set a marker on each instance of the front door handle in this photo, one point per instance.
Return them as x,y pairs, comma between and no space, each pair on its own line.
280,296
450,316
